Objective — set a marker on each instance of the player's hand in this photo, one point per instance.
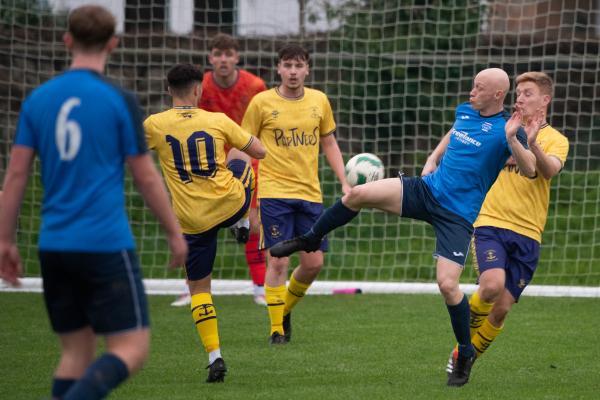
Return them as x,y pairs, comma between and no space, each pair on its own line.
513,125
11,268
533,125
511,161
429,167
179,250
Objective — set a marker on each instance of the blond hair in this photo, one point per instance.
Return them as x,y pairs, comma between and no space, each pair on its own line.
541,79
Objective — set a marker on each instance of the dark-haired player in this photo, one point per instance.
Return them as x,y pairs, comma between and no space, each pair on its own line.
209,188
229,89
293,122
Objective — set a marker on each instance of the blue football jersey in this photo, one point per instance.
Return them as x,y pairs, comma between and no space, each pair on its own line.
475,155
82,128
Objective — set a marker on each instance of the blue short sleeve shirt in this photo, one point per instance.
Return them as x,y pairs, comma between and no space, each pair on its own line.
475,155
82,128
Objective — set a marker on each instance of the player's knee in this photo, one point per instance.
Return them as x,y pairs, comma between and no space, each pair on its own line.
448,287
490,291
277,264
312,268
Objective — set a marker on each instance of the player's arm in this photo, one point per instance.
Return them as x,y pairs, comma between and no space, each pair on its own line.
150,185
251,123
255,149
15,182
334,158
547,165
436,156
523,157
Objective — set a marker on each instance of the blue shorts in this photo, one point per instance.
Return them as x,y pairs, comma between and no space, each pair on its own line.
452,232
518,255
202,247
283,219
101,290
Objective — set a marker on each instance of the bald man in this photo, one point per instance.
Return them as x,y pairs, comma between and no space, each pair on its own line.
507,237
448,196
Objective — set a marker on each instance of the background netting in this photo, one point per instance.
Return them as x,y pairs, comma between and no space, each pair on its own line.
394,72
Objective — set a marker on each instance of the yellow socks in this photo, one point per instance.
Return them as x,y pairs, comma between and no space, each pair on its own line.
484,336
275,305
482,331
205,317
295,292
479,312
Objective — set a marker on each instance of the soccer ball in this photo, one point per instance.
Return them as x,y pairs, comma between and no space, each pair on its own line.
363,168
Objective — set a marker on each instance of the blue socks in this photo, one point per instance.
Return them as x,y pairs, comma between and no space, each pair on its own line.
335,216
105,374
61,386
459,317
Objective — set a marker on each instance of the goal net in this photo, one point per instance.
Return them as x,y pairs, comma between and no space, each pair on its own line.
394,72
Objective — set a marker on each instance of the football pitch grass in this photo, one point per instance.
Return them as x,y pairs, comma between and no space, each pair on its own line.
344,347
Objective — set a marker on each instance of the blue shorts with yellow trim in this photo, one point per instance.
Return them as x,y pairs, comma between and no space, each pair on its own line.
203,246
283,219
516,254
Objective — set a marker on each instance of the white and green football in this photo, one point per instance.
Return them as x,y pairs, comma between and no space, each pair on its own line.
363,168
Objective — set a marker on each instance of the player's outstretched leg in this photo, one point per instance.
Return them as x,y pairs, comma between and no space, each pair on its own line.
384,194
335,216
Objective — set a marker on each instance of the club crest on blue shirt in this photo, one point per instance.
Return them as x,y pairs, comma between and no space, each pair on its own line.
486,126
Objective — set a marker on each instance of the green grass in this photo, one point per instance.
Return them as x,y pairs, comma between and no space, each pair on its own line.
344,347
380,247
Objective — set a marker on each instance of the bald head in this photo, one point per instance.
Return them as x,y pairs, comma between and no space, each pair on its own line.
496,78
489,91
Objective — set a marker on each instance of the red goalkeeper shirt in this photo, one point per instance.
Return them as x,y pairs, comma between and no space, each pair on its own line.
233,100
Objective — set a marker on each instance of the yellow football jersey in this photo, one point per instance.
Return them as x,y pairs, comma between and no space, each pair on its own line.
290,130
190,144
519,203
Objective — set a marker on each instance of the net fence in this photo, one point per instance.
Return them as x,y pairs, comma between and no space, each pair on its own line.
394,72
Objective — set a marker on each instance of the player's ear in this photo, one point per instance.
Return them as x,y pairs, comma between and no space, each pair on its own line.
68,40
112,43
546,99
